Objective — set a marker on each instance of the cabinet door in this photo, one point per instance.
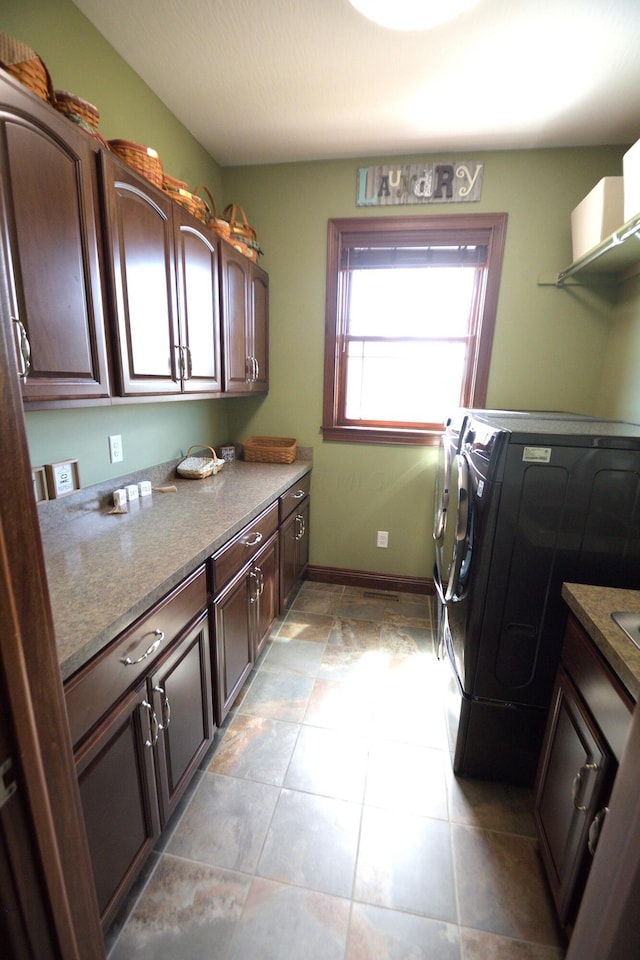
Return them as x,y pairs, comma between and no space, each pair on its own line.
199,304
182,698
49,228
233,641
141,263
265,595
260,329
294,550
117,789
575,770
236,325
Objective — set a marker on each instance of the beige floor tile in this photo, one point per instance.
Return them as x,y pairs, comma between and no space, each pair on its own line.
477,945
501,886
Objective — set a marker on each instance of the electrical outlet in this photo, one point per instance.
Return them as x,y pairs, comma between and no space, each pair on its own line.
383,538
115,448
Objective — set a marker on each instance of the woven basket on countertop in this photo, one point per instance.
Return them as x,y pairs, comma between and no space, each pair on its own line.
270,449
26,66
142,158
197,468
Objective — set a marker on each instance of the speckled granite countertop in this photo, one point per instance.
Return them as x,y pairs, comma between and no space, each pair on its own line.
106,570
593,607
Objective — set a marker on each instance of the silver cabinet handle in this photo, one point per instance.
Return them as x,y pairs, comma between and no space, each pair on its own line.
577,785
595,828
298,495
253,597
301,527
252,368
25,350
166,708
178,372
257,537
153,725
260,580
159,635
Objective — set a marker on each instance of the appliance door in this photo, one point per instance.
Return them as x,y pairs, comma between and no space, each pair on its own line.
457,548
457,541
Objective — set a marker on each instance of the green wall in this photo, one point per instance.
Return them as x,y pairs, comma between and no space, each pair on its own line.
549,345
619,394
572,348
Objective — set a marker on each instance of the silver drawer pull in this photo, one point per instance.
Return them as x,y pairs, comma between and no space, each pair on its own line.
577,786
153,725
257,537
159,635
299,495
166,708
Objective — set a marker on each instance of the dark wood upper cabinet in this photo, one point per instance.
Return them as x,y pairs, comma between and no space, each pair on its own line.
260,327
245,323
163,266
140,262
49,246
199,303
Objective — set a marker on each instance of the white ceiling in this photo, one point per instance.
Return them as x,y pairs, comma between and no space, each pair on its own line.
265,81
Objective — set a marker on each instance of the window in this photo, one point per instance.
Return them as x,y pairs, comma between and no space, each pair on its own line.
411,304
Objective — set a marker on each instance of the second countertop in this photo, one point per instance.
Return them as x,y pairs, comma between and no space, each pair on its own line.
593,607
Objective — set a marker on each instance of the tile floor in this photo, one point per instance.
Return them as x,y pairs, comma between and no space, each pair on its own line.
326,824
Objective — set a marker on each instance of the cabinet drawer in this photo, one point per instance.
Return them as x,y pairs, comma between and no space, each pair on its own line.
231,558
607,699
293,496
91,692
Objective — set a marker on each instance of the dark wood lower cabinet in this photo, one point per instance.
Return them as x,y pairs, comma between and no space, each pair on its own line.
244,612
183,704
576,772
137,763
587,727
294,546
116,776
266,599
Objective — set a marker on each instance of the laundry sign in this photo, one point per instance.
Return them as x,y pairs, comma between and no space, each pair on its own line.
449,181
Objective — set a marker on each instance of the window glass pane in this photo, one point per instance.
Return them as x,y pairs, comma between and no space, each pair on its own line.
406,382
416,302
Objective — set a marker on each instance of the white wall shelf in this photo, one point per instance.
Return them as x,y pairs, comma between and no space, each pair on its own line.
614,257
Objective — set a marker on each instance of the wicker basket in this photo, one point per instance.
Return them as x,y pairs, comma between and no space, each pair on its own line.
195,205
172,183
26,66
143,159
270,449
198,468
73,106
212,220
242,248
